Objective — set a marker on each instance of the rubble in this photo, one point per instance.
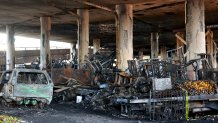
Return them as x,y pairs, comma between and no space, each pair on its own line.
149,89
66,91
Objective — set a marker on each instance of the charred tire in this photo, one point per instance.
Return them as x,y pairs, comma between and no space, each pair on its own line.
41,105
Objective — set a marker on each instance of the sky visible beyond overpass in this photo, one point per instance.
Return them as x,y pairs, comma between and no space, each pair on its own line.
22,43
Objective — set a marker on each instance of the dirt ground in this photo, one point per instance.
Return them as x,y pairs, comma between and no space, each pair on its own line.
69,113
61,113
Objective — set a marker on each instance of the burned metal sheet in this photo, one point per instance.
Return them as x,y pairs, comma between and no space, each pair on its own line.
161,84
34,91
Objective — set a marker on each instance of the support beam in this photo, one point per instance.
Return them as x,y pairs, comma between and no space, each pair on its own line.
96,45
111,10
124,35
45,56
178,36
94,5
208,32
209,42
66,11
83,34
10,50
154,45
180,45
211,47
141,54
163,52
195,32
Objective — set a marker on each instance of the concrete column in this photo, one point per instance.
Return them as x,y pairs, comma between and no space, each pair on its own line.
163,52
209,40
72,51
83,34
141,54
195,32
45,57
10,50
179,45
96,45
211,48
195,28
124,35
154,45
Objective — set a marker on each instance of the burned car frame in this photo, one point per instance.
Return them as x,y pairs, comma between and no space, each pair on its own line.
26,86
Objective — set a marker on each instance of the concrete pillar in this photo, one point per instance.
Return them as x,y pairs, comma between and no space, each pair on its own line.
83,34
72,51
163,52
45,57
211,48
141,55
195,32
124,35
209,40
154,45
179,45
96,45
195,28
10,50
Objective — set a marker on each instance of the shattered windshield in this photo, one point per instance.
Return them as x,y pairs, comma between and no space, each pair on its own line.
31,78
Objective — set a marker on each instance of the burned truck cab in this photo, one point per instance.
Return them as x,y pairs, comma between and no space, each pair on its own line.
26,86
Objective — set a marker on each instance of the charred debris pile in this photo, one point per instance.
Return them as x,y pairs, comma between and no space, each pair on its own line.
151,89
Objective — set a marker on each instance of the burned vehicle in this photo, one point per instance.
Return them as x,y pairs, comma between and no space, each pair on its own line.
26,86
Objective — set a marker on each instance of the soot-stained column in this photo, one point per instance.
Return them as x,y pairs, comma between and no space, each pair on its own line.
83,34
154,45
124,34
10,50
96,45
45,57
195,32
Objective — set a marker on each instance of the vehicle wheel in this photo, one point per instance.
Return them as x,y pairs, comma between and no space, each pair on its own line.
41,105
